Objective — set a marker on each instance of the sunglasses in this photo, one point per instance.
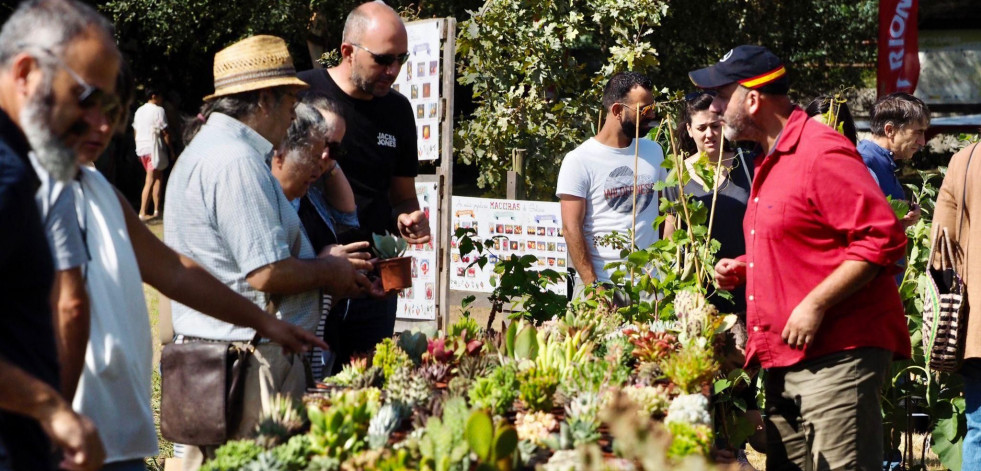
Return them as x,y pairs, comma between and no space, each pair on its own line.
91,96
645,111
694,95
385,60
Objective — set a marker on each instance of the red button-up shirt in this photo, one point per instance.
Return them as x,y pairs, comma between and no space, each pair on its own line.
814,205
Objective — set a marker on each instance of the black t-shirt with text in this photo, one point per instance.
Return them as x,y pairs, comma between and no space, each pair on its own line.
380,143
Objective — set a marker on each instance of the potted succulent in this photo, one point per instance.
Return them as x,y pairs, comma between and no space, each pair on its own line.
394,269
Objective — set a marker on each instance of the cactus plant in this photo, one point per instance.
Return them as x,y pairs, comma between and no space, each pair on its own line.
537,387
389,357
414,344
408,388
492,445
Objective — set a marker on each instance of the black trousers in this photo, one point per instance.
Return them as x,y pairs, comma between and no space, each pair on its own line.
355,327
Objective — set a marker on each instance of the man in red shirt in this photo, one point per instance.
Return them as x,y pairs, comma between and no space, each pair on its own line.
823,313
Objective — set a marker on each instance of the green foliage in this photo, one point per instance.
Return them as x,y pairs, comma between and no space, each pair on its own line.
465,327
388,245
413,343
340,430
497,391
443,446
690,367
295,453
689,439
233,455
536,388
389,357
492,444
280,421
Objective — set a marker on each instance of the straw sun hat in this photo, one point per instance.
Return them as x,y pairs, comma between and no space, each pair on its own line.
254,63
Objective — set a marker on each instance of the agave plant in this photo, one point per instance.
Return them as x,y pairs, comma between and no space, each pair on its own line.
279,421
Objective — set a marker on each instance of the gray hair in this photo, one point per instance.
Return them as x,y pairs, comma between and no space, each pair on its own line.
900,109
48,25
326,106
236,106
307,128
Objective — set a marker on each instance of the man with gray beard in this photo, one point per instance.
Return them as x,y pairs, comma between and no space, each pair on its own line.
58,66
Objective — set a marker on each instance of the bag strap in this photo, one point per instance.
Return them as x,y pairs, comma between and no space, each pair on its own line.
964,191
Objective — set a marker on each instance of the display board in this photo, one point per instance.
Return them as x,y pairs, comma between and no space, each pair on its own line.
419,81
517,228
950,63
419,301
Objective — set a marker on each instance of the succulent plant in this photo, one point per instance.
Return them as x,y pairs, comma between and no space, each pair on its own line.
473,367
233,455
384,423
651,346
414,344
372,378
389,245
497,391
536,388
535,426
407,387
435,372
389,357
282,419
444,445
266,462
694,312
459,386
295,453
492,444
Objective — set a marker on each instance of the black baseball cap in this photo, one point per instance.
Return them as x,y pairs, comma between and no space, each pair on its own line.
751,66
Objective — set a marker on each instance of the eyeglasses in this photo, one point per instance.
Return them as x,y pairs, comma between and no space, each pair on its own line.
334,150
91,96
696,94
645,111
385,60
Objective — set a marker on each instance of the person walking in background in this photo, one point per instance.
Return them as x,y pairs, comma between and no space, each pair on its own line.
899,122
380,159
958,195
596,181
153,148
823,314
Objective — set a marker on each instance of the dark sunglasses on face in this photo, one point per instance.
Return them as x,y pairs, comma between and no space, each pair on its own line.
90,96
385,60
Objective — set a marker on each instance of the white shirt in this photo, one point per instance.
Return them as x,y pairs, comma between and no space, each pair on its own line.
114,389
148,121
604,176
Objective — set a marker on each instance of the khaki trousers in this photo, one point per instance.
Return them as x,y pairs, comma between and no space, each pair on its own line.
269,372
824,414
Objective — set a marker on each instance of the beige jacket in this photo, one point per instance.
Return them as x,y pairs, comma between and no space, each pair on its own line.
966,238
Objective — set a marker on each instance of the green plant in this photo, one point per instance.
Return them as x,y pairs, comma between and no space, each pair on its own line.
389,357
349,373
294,454
388,245
280,421
536,388
691,367
413,343
443,445
408,387
688,439
384,423
233,455
339,431
492,444
496,392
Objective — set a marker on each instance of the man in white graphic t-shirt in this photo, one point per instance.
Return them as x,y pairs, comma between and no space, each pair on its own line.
596,181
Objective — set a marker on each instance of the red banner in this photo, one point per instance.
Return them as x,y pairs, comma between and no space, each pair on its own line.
899,64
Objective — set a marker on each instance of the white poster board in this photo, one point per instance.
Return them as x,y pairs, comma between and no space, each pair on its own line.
419,81
419,301
518,228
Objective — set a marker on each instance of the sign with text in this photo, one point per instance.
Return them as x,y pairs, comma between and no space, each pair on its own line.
517,228
419,301
898,64
419,82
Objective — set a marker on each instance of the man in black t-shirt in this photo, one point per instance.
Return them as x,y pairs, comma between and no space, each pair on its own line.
380,161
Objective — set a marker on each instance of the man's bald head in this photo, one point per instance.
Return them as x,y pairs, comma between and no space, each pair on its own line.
370,16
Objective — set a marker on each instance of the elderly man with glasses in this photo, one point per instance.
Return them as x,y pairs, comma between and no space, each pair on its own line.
381,157
596,181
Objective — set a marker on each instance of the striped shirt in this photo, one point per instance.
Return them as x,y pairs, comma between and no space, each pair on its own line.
226,211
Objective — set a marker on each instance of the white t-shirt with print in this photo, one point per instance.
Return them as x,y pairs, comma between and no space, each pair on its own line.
148,121
604,176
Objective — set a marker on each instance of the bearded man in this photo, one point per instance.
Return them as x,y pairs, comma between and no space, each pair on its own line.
596,182
58,67
380,158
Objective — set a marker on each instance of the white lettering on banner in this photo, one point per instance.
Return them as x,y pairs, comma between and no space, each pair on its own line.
897,40
386,140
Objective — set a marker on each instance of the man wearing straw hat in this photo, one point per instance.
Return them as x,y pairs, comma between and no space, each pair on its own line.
226,211
380,157
597,183
823,313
